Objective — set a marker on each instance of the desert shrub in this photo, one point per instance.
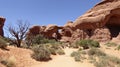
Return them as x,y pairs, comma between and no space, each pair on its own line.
6,39
94,43
41,53
118,48
107,61
77,55
95,52
77,58
111,44
60,52
83,43
52,51
55,46
40,39
84,52
74,53
9,62
88,43
92,59
74,45
3,44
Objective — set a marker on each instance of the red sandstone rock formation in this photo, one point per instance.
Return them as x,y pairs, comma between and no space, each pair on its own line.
101,34
104,13
100,23
2,20
50,31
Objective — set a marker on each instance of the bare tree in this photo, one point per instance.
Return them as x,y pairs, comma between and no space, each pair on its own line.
18,32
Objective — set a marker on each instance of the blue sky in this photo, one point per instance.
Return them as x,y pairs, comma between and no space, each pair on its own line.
44,12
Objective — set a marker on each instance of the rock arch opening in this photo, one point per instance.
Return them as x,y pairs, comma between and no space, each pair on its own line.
114,25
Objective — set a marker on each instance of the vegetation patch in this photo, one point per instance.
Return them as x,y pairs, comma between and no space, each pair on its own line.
9,62
52,51
118,47
77,56
86,44
95,52
107,61
3,44
111,44
74,45
41,53
60,52
97,57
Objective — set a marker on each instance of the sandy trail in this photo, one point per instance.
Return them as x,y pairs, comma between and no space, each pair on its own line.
63,61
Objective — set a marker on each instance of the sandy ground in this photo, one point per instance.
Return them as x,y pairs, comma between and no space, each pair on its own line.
64,61
112,50
23,57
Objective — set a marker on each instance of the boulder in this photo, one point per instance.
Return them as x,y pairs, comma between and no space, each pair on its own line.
2,21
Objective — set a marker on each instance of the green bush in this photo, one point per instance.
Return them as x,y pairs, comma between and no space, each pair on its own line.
88,43
118,48
60,52
94,44
74,45
108,61
55,46
6,39
9,62
52,51
77,55
39,39
111,44
83,43
41,53
96,52
3,44
77,58
74,53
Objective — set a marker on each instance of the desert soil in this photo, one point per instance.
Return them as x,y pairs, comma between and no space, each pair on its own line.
23,57
64,61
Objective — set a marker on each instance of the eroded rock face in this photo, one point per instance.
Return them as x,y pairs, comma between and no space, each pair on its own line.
104,13
2,20
100,23
35,30
79,35
66,32
118,37
101,34
50,31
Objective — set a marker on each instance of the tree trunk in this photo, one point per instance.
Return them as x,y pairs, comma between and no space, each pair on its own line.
19,43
